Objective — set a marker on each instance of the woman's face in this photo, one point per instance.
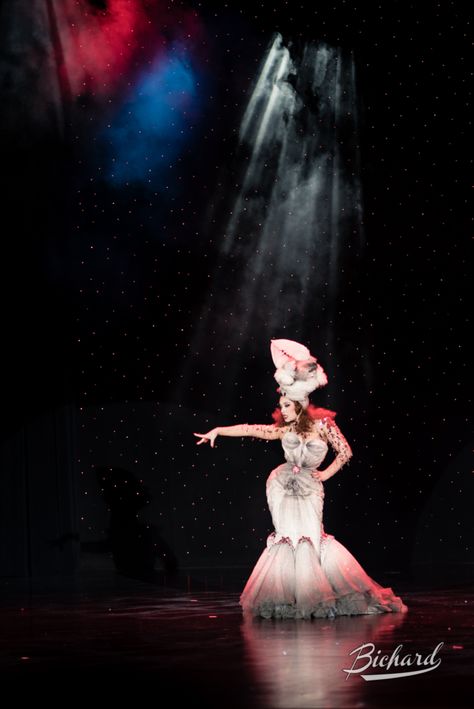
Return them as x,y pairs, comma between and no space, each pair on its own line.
287,409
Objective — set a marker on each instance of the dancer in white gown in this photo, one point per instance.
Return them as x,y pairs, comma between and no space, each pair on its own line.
304,572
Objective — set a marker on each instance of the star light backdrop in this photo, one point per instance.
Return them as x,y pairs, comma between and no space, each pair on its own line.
187,181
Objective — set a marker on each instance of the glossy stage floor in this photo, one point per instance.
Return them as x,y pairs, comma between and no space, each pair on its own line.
187,634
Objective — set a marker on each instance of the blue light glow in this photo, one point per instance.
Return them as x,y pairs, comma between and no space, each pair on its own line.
154,123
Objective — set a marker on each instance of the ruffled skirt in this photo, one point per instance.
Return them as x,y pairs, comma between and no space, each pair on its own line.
304,572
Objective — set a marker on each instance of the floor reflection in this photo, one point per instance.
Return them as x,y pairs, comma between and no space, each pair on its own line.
299,663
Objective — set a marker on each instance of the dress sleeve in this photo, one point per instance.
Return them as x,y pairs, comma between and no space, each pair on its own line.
333,435
269,432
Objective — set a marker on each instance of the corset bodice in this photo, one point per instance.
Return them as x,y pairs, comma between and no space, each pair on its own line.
308,453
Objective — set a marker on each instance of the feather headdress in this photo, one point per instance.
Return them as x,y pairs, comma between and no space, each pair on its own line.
297,372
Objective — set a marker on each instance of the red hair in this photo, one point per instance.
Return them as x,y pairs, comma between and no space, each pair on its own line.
308,415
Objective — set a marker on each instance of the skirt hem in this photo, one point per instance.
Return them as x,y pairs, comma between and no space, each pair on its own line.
357,603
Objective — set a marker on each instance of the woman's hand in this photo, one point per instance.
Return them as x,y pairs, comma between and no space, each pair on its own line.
210,436
319,475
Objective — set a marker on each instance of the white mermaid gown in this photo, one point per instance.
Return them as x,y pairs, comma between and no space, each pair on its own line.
304,572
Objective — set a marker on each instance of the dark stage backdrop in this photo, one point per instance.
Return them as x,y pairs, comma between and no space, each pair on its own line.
180,185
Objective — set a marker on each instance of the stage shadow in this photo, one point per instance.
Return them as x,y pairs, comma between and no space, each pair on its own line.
135,545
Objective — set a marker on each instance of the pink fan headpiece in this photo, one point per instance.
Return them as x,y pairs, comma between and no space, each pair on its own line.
297,372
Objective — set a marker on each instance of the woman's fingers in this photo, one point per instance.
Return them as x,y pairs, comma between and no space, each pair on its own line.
202,437
205,438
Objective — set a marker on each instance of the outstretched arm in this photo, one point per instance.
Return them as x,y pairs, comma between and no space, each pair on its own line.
268,431
333,435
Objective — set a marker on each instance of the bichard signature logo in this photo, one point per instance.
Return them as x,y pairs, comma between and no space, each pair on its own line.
387,662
